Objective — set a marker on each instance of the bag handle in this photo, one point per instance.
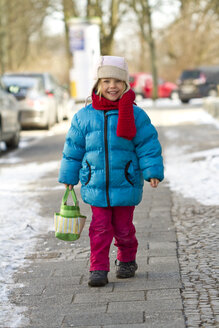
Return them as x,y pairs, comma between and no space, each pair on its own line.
65,197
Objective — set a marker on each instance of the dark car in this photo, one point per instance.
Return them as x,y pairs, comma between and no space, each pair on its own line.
9,120
198,83
37,109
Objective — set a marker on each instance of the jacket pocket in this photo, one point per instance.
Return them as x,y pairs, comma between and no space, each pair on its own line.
129,173
85,173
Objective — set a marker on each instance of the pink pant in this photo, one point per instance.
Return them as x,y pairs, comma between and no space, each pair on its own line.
109,222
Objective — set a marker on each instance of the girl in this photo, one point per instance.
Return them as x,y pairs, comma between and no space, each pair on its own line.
111,147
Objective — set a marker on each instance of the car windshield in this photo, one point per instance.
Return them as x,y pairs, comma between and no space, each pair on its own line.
19,85
15,84
190,75
37,76
20,81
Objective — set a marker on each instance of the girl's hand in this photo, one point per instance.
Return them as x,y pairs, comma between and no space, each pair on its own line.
70,186
154,183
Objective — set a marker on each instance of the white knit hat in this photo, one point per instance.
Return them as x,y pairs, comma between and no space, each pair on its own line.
112,67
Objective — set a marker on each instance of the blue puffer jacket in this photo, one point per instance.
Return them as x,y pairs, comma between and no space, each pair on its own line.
111,169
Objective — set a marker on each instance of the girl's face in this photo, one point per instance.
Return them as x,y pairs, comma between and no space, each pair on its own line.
112,89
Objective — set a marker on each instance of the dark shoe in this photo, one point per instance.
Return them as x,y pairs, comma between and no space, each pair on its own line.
98,278
125,269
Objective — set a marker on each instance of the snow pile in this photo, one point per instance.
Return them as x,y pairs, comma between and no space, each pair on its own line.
20,222
194,175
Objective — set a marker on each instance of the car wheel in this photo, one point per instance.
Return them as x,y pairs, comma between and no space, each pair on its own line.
174,95
48,126
185,101
49,123
0,135
139,96
14,141
59,116
212,93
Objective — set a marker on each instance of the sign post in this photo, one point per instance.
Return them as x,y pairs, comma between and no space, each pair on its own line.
84,42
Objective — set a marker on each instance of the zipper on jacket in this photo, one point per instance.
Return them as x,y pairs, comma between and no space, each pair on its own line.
106,157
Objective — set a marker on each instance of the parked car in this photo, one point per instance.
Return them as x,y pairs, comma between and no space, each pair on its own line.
142,84
199,82
37,108
137,82
67,103
54,90
9,120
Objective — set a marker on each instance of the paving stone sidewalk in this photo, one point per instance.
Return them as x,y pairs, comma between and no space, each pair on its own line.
53,288
197,230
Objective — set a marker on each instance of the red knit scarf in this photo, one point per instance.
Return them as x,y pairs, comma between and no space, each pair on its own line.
126,121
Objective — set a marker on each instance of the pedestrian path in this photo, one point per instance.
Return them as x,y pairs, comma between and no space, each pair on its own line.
53,287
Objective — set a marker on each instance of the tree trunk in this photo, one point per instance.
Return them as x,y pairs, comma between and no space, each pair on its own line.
152,48
69,11
2,37
107,46
107,39
141,65
143,11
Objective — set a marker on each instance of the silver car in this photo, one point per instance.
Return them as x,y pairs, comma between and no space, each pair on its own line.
9,120
53,89
37,108
58,92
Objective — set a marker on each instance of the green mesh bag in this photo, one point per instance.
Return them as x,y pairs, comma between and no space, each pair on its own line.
69,223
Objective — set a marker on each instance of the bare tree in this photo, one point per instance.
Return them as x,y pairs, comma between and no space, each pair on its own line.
109,13
70,10
192,39
20,22
143,12
110,17
2,36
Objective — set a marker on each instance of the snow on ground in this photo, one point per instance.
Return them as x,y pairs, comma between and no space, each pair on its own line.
201,169
168,103
20,223
194,175
179,116
18,227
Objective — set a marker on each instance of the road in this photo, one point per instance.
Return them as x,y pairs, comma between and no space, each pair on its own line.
30,194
